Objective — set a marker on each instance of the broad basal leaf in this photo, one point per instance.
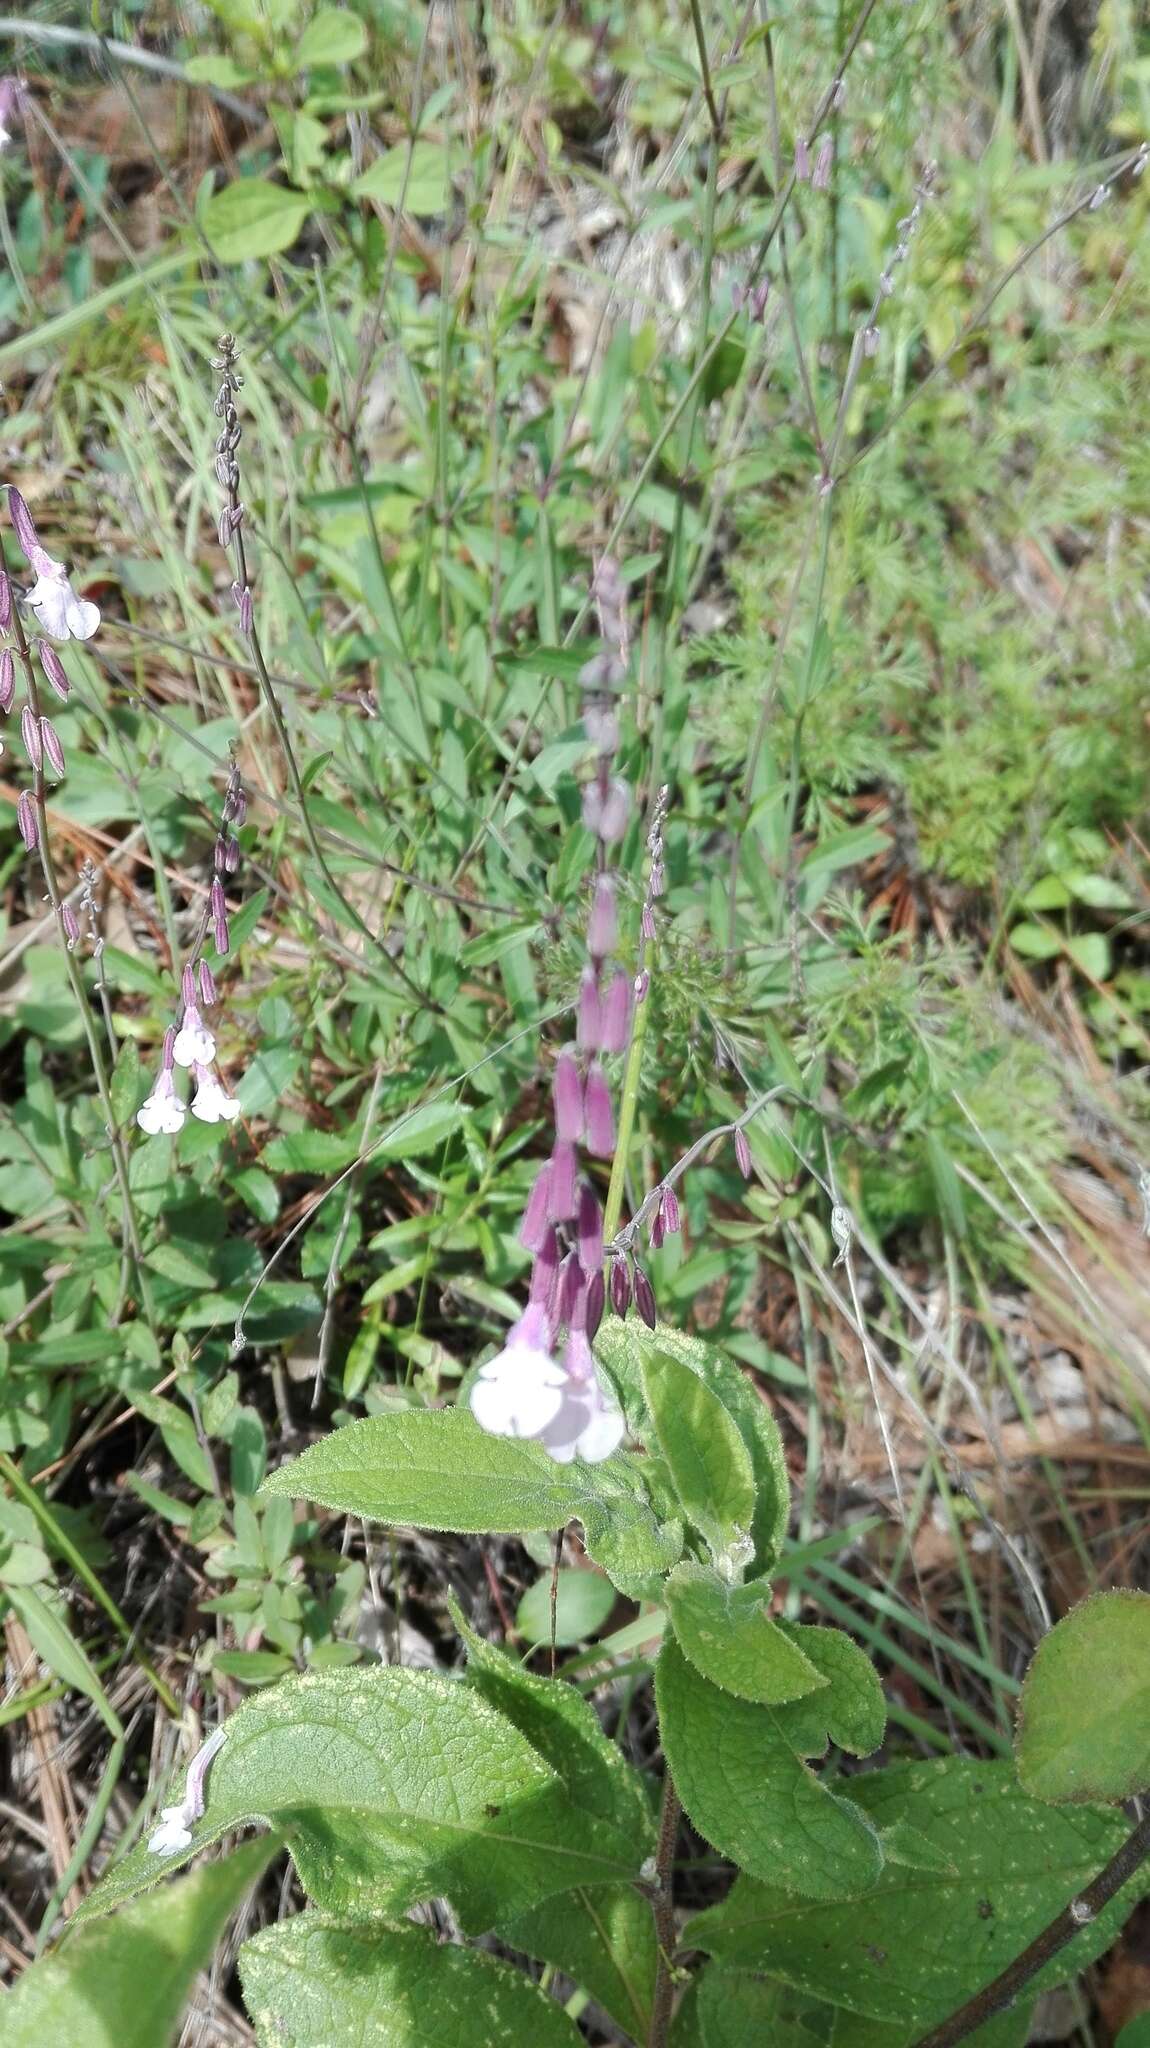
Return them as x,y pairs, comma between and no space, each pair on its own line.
1084,1726
918,1943
622,1346
747,1792
604,1938
736,2010
124,1982
315,1980
391,1787
728,1635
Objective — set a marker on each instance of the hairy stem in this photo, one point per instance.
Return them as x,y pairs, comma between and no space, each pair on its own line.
663,1908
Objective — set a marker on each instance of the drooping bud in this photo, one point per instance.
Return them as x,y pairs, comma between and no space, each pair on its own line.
188,985
602,924
53,751
533,1229
743,1153
567,1096
168,1051
22,521
802,159
672,1221
208,991
54,670
644,1297
599,1117
561,1191
27,820
620,1286
545,1272
589,1024
30,732
656,1232
593,1304
647,922
7,681
71,928
590,1229
5,603
569,1291
614,813
617,1015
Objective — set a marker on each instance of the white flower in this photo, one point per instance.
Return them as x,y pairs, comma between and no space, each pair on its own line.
173,1832
55,606
194,1044
586,1425
211,1101
163,1112
520,1390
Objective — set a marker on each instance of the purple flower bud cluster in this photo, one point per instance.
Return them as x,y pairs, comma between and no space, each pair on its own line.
868,334
606,797
192,1044
227,472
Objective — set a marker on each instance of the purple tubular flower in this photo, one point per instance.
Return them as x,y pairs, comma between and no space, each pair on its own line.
821,176
644,1297
620,1286
208,991
30,731
561,1187
617,1015
7,681
243,598
71,928
600,1120
217,900
672,1221
221,935
231,855
545,1271
533,1229
5,603
647,922
54,752
54,670
567,1095
743,1153
596,1296
589,1027
28,821
602,925
188,986
802,159
589,1220
569,1293
22,521
658,882
168,1054
657,1232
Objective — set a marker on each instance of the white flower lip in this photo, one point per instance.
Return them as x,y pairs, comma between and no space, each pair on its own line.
55,606
586,1426
211,1103
518,1392
195,1045
162,1115
172,1834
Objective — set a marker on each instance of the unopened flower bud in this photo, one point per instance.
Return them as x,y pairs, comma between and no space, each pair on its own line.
616,1014
30,731
598,1114
743,1153
821,176
658,881
567,1096
593,1304
870,340
231,855
601,726
168,1052
54,670
188,985
589,1025
569,1291
243,601
533,1229
614,813
208,992
561,1190
545,1272
602,924
642,984
7,681
26,532
656,1233
672,1220
620,1286
71,928
647,922
221,935
5,603
802,159
53,751
645,1298
27,820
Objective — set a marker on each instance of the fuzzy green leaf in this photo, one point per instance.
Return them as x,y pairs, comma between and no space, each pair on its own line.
709,1463
393,1787
1084,1726
313,1979
253,218
850,1711
728,1635
747,1792
603,1936
333,36
125,1982
583,1600
622,1346
915,1948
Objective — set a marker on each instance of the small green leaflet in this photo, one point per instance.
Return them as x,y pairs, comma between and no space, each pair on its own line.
709,1463
728,1635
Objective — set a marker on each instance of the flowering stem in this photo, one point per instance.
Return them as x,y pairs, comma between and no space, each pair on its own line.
627,1108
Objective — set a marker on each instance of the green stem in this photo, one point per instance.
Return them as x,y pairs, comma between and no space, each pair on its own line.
627,1109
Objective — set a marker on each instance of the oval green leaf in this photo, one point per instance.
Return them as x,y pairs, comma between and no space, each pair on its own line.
728,1635
1084,1723
709,1463
253,218
583,1600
